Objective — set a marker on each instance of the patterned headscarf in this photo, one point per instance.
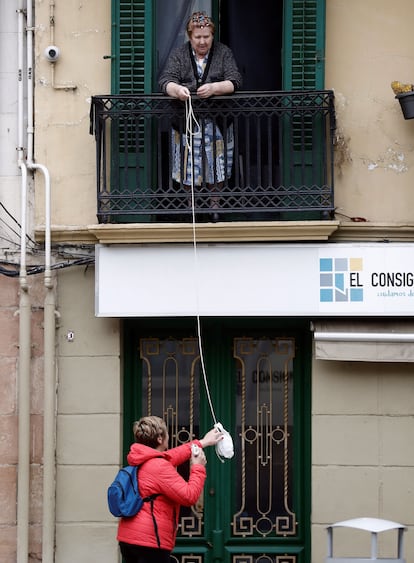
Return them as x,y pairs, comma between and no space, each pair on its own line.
200,19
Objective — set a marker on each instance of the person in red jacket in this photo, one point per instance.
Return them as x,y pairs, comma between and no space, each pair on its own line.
149,536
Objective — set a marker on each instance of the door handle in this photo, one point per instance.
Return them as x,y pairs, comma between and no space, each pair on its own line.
217,544
212,491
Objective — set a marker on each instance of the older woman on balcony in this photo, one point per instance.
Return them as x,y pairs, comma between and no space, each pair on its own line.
206,68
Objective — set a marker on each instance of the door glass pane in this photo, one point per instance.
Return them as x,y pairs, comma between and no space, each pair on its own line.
170,389
264,437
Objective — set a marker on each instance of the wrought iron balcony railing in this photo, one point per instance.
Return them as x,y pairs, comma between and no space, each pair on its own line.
281,160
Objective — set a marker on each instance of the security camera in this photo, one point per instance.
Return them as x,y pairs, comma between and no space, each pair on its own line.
52,53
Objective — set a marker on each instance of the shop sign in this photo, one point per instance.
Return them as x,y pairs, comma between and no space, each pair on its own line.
313,280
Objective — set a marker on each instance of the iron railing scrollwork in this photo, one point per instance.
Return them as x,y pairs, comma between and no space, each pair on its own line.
282,158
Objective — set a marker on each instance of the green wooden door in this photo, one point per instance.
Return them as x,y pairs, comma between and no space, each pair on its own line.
255,507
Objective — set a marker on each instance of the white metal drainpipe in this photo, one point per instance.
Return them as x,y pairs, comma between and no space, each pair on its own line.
23,467
49,416
49,406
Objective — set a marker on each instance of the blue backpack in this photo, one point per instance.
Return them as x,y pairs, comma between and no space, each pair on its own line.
124,498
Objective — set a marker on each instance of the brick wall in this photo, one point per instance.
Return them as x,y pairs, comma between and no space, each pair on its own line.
9,360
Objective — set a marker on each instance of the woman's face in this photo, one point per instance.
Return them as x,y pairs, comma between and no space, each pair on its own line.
201,40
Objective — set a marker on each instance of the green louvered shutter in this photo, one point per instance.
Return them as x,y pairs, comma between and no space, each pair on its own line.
303,44
132,53
132,46
303,70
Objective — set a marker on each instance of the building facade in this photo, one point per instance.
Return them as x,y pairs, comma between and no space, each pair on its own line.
289,320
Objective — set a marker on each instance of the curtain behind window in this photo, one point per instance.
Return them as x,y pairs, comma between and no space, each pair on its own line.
170,27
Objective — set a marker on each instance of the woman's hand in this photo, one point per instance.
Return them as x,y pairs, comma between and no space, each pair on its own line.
177,91
198,458
211,438
207,90
215,89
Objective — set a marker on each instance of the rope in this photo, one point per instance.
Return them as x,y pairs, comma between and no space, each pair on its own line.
190,120
224,448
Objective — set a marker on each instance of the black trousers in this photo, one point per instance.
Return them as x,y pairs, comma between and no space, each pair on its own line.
139,554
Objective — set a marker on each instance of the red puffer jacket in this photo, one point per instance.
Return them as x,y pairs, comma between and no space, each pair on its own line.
159,475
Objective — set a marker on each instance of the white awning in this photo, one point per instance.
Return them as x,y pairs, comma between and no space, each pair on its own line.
364,341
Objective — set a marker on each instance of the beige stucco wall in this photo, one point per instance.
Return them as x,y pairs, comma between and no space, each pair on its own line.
89,423
362,458
367,47
82,31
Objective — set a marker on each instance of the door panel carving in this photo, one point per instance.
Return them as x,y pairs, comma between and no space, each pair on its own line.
170,389
264,423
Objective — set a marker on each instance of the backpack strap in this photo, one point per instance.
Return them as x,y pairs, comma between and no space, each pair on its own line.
151,499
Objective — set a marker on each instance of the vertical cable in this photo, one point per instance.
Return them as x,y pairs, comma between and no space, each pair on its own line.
191,120
225,447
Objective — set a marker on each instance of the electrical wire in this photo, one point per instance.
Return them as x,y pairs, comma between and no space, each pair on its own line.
16,221
40,268
8,239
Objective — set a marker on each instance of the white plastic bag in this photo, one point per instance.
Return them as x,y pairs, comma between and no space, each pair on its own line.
224,448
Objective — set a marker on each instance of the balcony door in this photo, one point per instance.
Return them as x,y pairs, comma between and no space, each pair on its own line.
255,507
279,47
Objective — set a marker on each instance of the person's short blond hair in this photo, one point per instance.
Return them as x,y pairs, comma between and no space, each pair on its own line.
199,20
148,429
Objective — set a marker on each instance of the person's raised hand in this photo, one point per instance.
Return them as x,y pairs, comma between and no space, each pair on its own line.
211,437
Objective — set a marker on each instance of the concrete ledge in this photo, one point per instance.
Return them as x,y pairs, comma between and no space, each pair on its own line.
274,231
183,232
